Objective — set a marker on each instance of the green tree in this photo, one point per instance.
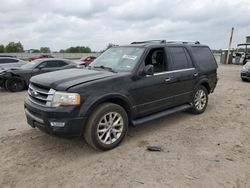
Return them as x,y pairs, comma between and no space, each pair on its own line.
14,47
110,45
45,50
1,48
77,49
35,51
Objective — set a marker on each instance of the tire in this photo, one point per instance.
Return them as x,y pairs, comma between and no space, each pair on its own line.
14,84
200,100
244,79
100,133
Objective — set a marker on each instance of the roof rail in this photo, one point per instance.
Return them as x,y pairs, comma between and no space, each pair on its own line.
182,42
150,41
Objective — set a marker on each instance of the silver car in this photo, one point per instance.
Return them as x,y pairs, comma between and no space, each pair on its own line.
7,62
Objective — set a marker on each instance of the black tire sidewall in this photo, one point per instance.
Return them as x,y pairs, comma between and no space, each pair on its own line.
8,81
100,113
194,109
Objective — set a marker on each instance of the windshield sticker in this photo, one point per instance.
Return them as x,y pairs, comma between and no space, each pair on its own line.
132,57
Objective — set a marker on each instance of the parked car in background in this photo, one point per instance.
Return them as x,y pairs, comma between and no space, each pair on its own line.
86,61
245,72
6,62
130,84
17,79
7,56
40,57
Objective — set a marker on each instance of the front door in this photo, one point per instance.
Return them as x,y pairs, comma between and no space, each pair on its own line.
46,66
153,93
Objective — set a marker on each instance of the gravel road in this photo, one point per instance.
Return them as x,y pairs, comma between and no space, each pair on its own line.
207,150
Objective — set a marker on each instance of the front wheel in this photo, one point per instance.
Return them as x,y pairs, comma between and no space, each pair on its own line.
106,126
200,100
14,84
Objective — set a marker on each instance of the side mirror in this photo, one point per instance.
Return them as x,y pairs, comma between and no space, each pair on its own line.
148,70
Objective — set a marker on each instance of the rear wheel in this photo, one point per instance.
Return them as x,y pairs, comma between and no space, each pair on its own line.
14,84
106,127
244,79
200,100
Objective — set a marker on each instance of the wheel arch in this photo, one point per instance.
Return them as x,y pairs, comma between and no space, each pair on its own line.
113,98
205,83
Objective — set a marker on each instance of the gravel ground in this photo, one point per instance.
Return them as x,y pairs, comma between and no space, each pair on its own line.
207,150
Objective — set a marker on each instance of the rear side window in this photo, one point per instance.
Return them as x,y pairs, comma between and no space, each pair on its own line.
204,58
61,63
6,60
180,59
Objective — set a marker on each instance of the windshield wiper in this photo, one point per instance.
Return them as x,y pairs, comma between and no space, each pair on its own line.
105,68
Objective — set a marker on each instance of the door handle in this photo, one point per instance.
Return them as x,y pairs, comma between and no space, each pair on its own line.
195,74
167,79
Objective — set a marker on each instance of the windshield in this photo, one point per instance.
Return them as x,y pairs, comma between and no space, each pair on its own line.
31,64
119,58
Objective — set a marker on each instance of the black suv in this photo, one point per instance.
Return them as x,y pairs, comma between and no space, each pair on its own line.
126,85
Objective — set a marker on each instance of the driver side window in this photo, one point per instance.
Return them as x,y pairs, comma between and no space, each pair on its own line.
157,58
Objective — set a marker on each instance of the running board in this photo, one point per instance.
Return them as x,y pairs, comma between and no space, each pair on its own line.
161,114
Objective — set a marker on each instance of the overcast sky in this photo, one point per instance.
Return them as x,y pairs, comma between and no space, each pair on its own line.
95,23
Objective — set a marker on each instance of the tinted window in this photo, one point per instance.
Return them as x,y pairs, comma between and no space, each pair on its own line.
180,59
6,60
48,64
61,63
204,58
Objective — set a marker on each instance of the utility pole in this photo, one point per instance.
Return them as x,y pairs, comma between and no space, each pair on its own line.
229,45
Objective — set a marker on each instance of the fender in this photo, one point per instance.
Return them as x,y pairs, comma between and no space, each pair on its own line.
88,106
204,81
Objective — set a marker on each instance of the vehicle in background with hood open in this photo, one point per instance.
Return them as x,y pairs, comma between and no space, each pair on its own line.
40,57
17,78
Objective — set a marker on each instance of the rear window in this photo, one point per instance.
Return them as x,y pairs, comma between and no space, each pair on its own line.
204,58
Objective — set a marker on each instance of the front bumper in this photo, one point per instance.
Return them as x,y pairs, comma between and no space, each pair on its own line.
41,117
245,75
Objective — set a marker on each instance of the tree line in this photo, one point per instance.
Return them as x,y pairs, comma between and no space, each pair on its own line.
12,47
17,47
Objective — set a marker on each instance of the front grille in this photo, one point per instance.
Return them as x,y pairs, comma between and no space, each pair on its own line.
40,95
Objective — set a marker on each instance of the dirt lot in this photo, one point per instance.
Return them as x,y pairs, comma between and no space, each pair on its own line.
208,150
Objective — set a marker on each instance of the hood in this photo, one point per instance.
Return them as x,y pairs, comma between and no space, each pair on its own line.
64,79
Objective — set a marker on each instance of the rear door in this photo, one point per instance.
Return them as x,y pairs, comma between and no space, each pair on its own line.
184,74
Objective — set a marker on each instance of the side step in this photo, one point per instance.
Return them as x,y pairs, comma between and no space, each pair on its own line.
161,114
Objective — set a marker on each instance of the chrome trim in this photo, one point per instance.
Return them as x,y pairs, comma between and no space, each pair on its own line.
37,97
39,90
174,71
39,120
44,96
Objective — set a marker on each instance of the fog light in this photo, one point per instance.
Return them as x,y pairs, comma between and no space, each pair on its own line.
57,124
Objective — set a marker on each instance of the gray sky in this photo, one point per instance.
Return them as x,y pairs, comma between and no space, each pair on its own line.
95,23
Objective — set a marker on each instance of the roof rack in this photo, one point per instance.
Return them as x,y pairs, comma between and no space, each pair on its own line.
182,42
164,41
149,41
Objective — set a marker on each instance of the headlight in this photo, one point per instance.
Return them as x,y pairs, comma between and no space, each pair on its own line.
65,99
